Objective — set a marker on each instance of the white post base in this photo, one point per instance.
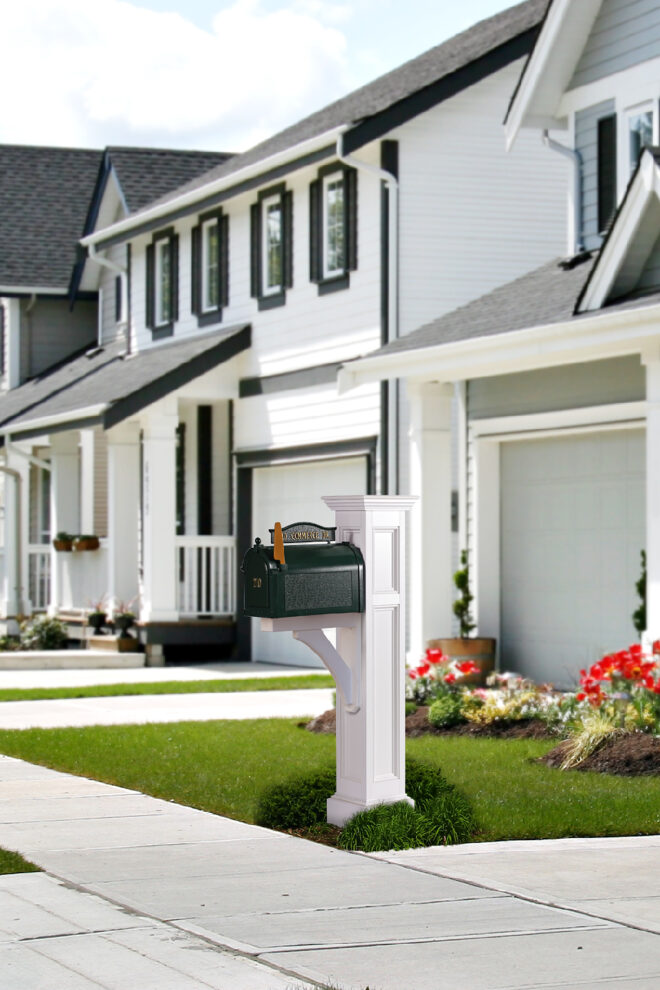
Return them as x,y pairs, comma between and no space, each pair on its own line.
341,809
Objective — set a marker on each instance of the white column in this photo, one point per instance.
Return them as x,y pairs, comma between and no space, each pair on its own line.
431,594
123,511
16,487
87,481
159,515
371,742
13,342
653,499
64,509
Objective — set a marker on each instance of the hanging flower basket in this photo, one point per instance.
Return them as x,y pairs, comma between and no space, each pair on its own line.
63,542
85,542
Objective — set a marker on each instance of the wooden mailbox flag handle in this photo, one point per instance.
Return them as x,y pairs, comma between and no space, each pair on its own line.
278,544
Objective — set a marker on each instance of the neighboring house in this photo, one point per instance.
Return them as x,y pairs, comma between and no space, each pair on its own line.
559,370
49,198
249,286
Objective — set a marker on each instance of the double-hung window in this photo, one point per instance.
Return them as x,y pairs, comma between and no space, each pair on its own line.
162,283
210,267
640,133
333,227
272,246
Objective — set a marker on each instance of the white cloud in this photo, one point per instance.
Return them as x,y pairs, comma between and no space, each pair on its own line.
75,72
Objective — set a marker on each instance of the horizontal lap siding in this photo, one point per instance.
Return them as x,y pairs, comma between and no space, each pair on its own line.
50,332
586,142
110,329
472,216
625,33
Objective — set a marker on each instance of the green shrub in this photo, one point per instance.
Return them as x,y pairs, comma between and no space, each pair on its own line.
446,711
43,633
441,814
411,708
296,803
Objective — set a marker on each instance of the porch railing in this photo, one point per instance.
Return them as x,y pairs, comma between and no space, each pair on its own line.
206,575
39,575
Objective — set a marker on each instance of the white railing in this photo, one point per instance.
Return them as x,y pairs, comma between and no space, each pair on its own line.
206,567
39,576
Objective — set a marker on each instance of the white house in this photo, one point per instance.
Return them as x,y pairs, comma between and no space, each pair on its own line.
559,371
246,289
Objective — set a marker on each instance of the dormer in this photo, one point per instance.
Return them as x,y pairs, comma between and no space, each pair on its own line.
594,74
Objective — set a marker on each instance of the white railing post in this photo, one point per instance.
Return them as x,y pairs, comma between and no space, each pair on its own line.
205,575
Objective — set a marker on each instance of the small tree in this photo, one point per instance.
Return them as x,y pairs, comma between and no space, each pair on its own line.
463,604
639,615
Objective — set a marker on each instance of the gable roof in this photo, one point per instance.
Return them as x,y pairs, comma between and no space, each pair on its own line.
146,174
371,111
105,385
44,196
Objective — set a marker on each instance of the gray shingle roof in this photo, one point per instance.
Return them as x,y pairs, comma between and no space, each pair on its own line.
146,174
106,376
44,197
442,61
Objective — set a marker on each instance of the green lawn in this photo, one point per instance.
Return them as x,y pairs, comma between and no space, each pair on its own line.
292,683
223,766
11,862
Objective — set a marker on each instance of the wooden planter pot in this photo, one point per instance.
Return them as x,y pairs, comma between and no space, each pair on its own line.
63,546
481,651
89,543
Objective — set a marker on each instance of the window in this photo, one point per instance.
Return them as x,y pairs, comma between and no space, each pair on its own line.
162,303
272,246
640,134
210,267
333,227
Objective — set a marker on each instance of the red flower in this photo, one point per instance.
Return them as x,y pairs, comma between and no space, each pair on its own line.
423,668
435,656
450,678
467,667
656,646
412,674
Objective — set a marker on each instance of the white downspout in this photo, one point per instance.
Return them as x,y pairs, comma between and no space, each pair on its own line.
576,159
123,274
392,184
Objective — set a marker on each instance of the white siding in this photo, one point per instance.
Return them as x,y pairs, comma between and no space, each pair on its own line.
50,332
625,33
472,216
650,277
586,142
110,328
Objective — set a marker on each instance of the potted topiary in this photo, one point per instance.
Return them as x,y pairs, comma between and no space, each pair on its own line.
97,616
122,617
63,542
480,649
86,541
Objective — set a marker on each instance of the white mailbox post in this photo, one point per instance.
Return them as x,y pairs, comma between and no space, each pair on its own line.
368,663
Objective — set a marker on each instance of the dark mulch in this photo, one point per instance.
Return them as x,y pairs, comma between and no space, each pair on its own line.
632,755
417,724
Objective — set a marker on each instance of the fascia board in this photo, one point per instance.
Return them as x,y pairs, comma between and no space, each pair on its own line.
645,185
57,419
201,192
572,342
32,290
563,35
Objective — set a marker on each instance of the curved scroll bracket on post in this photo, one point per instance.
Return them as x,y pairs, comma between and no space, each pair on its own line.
309,630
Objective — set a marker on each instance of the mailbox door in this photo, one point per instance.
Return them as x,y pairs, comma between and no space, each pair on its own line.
257,585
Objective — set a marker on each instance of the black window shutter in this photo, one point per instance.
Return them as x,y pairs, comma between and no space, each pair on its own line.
117,298
150,287
204,471
223,266
255,250
315,232
606,171
287,239
174,255
350,207
181,479
196,270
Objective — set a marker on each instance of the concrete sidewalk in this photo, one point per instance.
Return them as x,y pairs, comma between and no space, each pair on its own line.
132,884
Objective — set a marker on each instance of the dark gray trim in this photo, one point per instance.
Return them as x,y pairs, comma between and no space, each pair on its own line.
248,185
336,284
204,470
323,374
244,540
226,349
209,319
443,89
272,301
363,446
606,163
163,331
230,465
389,160
202,632
83,423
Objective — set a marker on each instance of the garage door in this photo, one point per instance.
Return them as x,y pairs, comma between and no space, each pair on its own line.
572,527
293,493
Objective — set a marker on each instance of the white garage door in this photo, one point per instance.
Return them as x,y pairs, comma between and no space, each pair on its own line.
572,528
292,493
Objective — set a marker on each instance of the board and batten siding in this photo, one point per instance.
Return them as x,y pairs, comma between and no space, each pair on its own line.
625,33
586,142
309,329
546,390
472,215
111,329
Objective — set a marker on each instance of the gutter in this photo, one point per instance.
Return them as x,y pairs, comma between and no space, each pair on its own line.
218,185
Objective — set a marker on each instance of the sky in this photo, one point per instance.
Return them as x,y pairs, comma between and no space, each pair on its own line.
203,74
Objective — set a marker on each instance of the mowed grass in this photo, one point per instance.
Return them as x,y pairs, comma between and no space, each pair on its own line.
293,683
11,862
222,767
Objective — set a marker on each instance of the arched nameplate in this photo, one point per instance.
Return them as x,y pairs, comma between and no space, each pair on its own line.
306,532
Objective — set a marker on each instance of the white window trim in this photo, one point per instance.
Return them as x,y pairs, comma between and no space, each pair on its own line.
327,180
625,167
160,319
266,289
206,306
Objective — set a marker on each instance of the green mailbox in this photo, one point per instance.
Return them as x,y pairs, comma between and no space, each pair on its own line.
299,575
